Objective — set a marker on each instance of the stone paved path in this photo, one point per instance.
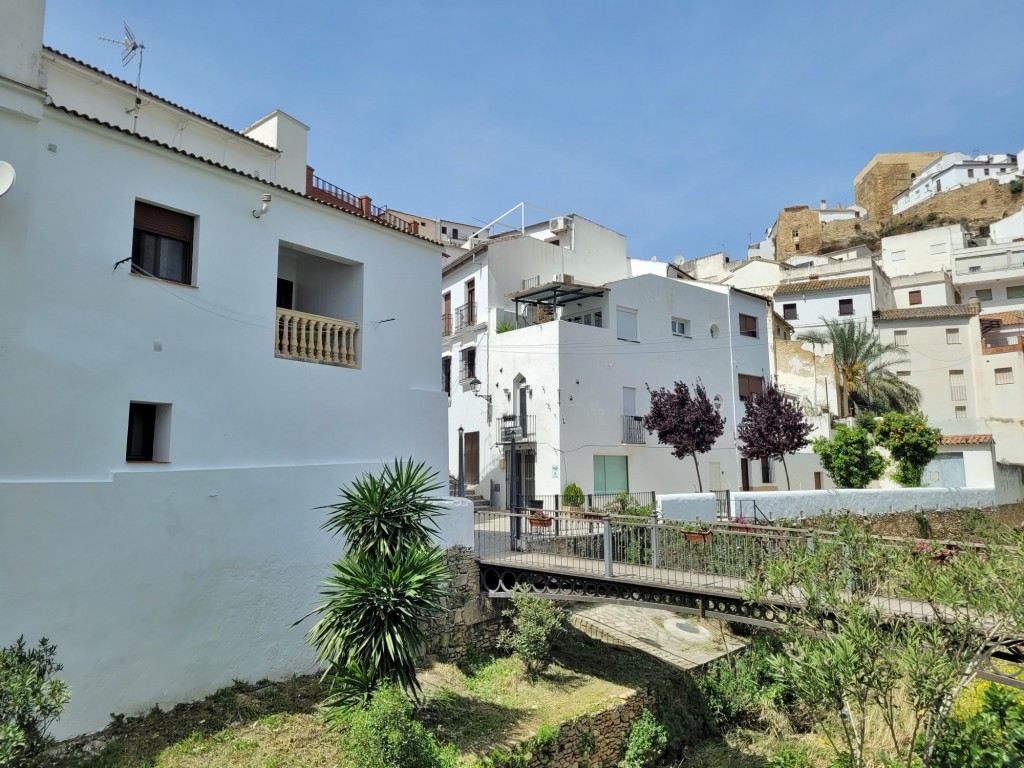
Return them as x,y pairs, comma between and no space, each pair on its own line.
681,640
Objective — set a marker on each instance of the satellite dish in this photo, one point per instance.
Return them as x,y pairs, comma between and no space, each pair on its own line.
7,177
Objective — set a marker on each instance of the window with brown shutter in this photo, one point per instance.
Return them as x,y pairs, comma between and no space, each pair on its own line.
789,312
162,243
846,306
915,297
749,385
748,326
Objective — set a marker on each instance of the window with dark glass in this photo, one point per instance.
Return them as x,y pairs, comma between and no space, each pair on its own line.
162,243
446,374
789,312
748,326
467,368
141,430
846,306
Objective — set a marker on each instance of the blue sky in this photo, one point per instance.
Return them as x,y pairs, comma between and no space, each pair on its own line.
685,126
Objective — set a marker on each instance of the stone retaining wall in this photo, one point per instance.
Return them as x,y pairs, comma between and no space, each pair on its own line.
597,740
468,621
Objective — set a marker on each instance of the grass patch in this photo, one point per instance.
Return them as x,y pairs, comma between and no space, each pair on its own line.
485,706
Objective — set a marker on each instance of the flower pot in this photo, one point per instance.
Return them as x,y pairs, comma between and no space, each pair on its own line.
740,528
702,537
539,521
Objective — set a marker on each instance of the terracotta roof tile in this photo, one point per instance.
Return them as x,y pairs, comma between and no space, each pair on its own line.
175,150
815,286
924,313
1013,317
966,439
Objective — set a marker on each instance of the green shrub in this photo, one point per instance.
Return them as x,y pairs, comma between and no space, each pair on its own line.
912,444
572,496
789,756
991,736
1015,186
740,689
535,624
850,457
384,735
646,742
505,326
30,700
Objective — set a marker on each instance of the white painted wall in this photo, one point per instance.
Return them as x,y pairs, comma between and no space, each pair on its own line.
21,35
811,307
867,501
926,251
202,562
1010,228
952,171
286,134
936,290
689,507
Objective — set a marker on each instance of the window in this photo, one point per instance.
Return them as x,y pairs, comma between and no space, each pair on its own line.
611,474
789,312
974,268
938,248
1004,375
899,255
767,472
162,243
970,173
455,232
952,335
625,324
750,385
899,338
748,326
471,302
680,327
915,297
149,432
846,306
960,411
444,230
983,294
986,171
903,374
957,386
446,374
467,368
599,319
796,234
1015,291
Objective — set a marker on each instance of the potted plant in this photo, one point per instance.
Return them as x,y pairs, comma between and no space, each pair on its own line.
740,524
572,499
696,531
539,519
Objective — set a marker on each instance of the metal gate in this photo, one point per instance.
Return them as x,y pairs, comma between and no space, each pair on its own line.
525,463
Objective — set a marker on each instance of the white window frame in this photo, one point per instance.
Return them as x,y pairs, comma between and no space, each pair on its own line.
622,329
680,327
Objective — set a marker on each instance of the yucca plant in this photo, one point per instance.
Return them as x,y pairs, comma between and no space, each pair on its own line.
379,597
380,515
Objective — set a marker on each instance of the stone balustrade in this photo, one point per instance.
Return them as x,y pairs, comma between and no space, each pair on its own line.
315,339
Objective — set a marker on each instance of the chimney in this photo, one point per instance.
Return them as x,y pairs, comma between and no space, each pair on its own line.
823,205
21,42
974,303
364,205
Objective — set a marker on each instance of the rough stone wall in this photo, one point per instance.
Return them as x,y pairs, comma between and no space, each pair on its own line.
802,220
976,205
886,176
838,235
468,621
591,741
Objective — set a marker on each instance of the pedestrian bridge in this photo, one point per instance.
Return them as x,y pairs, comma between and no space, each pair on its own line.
589,556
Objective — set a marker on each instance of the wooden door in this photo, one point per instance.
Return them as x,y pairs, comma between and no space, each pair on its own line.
817,481
471,443
744,475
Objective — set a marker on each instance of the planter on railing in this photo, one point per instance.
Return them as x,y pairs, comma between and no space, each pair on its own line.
315,339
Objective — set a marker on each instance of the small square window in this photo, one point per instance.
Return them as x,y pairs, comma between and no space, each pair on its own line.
467,367
748,326
1015,291
680,327
970,173
846,306
162,243
952,335
914,298
1004,375
974,268
444,230
149,432
983,294
789,312
960,411
903,374
899,338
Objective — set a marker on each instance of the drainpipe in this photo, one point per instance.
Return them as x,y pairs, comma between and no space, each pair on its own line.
732,382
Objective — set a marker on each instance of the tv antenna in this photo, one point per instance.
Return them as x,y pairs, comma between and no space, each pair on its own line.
131,46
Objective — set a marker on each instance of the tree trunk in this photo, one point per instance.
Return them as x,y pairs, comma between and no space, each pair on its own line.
788,486
700,488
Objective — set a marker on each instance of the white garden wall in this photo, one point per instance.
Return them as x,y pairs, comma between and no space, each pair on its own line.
775,505
688,506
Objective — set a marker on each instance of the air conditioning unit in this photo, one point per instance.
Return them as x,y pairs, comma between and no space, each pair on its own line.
566,279
558,224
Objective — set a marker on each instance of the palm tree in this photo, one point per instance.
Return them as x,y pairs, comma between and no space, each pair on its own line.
863,361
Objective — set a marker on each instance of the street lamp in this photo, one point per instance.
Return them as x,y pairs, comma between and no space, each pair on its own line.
474,386
460,489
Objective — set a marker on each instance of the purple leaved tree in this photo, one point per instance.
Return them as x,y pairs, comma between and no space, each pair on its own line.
772,427
688,422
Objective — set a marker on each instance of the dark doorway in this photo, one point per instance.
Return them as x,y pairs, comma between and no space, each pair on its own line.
744,475
285,293
471,441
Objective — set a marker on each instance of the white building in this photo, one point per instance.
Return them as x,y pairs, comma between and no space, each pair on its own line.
183,383
559,344
968,367
955,170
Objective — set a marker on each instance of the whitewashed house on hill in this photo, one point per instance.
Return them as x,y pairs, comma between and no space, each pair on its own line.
199,346
955,170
